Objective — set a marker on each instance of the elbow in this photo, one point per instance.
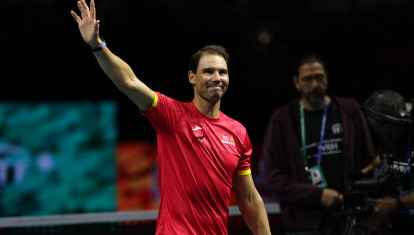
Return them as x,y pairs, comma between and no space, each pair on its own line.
125,85
251,201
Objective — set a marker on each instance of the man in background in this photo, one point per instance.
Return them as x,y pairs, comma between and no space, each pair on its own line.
309,145
390,116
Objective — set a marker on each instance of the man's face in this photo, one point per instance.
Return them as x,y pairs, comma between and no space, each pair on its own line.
212,79
312,82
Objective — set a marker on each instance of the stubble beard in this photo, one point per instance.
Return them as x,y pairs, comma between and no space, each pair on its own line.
315,99
217,95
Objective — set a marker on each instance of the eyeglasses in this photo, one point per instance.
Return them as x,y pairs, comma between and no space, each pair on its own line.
318,78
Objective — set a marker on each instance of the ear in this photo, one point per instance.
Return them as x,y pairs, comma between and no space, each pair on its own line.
296,82
191,77
408,106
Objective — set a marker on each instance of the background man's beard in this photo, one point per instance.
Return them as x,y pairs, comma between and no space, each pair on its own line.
316,102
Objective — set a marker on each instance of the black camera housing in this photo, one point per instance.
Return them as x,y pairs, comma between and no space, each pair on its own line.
355,203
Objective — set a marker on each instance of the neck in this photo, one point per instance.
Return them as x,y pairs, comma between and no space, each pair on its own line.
315,106
208,108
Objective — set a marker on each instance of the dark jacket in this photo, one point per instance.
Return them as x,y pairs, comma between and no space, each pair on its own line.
284,168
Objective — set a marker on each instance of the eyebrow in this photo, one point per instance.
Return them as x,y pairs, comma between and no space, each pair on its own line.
314,75
214,69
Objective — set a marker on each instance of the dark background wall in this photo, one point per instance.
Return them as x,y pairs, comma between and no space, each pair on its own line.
368,45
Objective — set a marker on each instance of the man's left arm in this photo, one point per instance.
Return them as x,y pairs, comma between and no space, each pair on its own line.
385,207
251,205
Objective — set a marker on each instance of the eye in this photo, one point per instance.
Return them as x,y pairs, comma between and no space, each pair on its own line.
319,77
223,72
306,79
208,70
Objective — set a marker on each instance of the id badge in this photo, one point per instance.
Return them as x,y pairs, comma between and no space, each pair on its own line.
317,177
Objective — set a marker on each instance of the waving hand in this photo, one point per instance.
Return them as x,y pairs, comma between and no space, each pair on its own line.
114,67
88,25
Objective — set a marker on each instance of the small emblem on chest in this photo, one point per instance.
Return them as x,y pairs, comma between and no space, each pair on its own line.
225,139
198,132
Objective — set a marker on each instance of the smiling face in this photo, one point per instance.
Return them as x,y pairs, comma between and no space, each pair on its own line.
212,79
312,82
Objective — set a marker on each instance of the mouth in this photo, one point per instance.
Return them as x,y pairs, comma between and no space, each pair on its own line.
317,94
215,86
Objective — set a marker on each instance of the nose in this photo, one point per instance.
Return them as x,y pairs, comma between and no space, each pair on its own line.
314,82
215,76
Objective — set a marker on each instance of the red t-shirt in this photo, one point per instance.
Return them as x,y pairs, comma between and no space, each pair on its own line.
198,157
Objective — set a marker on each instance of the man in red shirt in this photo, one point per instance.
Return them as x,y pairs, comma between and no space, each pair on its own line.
201,150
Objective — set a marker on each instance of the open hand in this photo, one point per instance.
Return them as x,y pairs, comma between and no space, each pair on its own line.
88,25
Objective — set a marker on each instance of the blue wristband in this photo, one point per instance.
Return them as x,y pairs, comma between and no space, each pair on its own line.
100,48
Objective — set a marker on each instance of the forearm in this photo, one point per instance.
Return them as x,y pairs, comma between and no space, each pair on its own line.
254,214
407,201
292,190
284,177
251,205
115,68
124,78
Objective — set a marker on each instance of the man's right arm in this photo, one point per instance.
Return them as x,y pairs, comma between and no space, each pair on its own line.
115,68
278,169
124,78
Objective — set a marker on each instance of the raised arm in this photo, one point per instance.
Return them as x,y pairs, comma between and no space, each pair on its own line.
251,205
115,68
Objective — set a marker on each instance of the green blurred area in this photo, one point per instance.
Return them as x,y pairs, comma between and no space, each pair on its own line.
57,157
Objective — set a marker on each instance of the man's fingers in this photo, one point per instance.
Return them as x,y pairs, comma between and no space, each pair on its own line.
83,8
96,28
82,11
93,10
76,17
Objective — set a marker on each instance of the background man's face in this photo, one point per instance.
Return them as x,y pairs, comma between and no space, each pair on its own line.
312,82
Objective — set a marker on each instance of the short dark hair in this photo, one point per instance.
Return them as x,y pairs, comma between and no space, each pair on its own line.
386,102
207,50
308,58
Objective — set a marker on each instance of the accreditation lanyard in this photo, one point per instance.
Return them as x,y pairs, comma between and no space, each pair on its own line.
400,187
303,134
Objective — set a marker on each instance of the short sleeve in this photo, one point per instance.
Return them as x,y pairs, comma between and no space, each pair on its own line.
243,168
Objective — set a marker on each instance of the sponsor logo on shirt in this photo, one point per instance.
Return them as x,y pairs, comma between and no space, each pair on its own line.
400,167
198,132
337,128
197,128
225,139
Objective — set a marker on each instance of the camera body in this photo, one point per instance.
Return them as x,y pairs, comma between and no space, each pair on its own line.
356,201
378,109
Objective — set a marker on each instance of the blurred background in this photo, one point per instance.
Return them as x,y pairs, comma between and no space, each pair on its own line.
46,70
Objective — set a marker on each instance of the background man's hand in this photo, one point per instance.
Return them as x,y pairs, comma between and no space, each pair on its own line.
331,198
383,208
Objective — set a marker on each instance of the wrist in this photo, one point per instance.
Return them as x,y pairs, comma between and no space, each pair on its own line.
398,204
100,46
